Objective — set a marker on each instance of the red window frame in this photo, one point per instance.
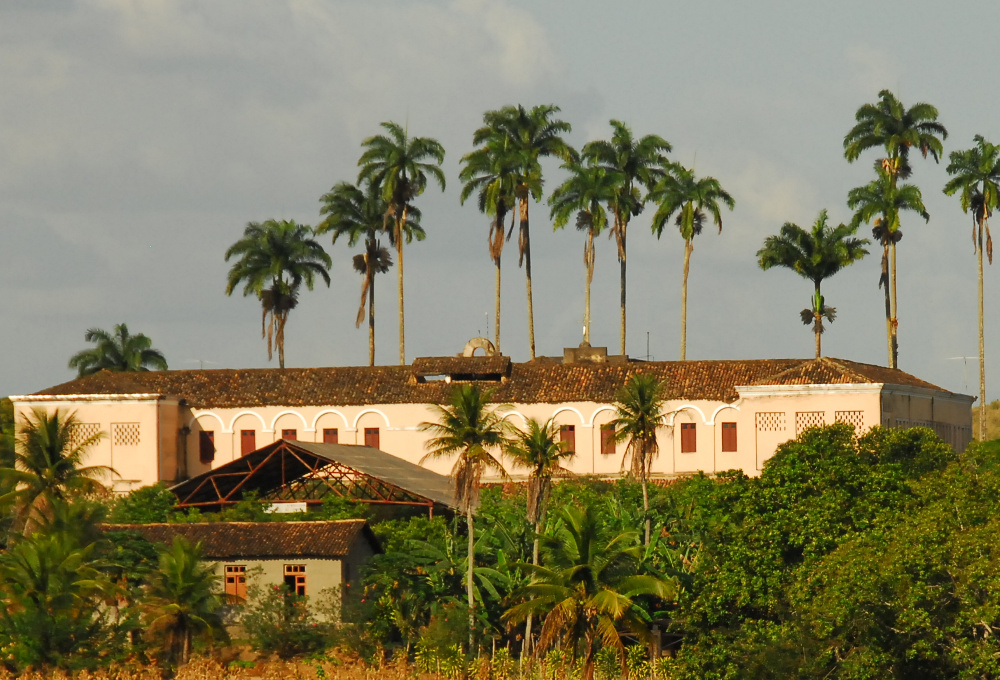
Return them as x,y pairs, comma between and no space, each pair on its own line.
331,435
206,446
248,441
728,437
290,434
567,435
689,438
608,445
372,437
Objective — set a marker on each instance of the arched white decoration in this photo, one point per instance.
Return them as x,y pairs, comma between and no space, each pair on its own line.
720,409
305,425
330,410
232,423
357,418
199,416
579,415
508,414
685,407
600,409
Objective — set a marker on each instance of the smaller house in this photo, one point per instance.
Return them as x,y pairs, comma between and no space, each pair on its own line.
308,557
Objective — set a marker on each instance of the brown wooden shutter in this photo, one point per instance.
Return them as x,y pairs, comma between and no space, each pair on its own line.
206,446
728,437
290,435
607,439
689,438
248,441
330,435
371,437
567,433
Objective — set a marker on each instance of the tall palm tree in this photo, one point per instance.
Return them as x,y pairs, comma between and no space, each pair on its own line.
48,466
399,164
632,163
360,215
117,351
587,588
976,174
583,195
880,203
815,255
539,449
274,258
467,427
638,415
182,600
890,125
489,172
529,135
680,192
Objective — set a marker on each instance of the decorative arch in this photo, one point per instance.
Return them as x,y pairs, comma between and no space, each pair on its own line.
357,418
579,415
263,424
599,409
686,407
720,409
524,418
196,418
319,415
305,425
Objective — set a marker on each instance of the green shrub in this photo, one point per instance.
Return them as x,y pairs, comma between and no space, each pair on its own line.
280,622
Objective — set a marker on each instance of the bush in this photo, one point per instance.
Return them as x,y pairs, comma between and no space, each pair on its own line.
280,622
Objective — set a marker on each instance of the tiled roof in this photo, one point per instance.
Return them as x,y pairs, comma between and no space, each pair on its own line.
533,382
262,540
494,365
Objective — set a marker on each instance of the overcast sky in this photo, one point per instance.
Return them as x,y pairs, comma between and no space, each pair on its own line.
138,137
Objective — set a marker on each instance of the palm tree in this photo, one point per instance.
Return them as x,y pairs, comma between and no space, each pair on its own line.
539,449
815,255
587,587
469,429
880,202
360,215
117,351
976,173
529,136
182,600
631,163
638,415
398,165
489,172
890,125
584,194
48,466
274,259
679,191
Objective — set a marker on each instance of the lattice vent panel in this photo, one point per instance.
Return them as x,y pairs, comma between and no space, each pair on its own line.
855,418
807,419
82,432
770,421
125,434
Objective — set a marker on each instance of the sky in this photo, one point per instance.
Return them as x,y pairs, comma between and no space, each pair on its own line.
139,137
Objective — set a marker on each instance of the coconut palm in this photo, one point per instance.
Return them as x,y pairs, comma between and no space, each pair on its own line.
587,588
880,203
182,601
976,174
468,428
399,165
631,163
117,351
638,415
529,136
583,195
489,172
274,258
815,255
680,192
890,125
360,216
539,449
48,466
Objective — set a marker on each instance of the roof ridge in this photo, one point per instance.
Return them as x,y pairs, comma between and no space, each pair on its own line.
846,370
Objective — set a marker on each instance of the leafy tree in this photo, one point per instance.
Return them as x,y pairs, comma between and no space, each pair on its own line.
976,174
468,428
117,351
638,415
182,601
48,467
281,622
6,432
587,588
631,163
815,255
146,505
360,216
680,192
273,259
583,196
890,125
398,165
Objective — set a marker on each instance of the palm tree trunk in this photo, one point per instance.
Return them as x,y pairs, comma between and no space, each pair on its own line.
895,310
496,309
817,323
982,343
588,262
645,506
371,315
888,303
400,229
526,647
279,338
468,580
688,247
526,254
621,233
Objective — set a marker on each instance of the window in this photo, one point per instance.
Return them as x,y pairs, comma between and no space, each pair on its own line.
248,441
295,578
330,435
236,580
567,434
206,446
607,439
728,437
689,438
371,437
290,435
